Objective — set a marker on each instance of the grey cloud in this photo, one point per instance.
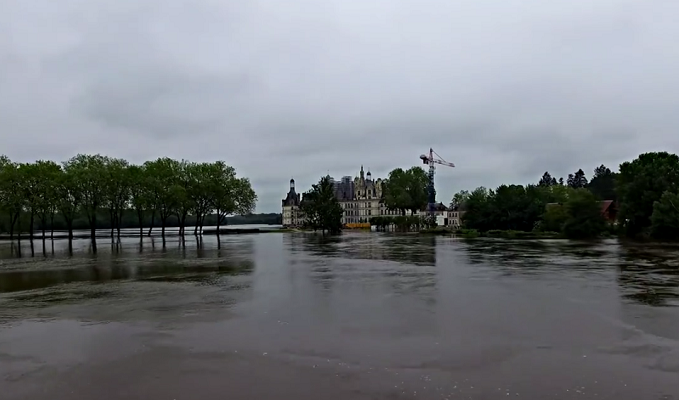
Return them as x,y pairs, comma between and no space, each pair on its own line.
506,90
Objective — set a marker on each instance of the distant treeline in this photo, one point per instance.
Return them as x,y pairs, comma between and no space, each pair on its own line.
129,220
640,200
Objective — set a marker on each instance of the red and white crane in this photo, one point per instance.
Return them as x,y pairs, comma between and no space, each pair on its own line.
432,159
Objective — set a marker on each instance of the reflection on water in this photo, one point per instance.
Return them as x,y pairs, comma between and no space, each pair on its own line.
138,261
362,315
650,275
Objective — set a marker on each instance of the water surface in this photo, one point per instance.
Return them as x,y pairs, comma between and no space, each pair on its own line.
361,316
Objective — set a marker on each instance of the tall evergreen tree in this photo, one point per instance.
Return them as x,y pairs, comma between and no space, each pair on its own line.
577,180
547,180
603,183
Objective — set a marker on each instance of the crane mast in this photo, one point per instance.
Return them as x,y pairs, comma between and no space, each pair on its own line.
432,159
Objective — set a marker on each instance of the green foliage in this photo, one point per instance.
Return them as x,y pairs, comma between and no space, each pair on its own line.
512,207
602,184
87,187
554,218
640,184
665,217
459,199
321,208
585,220
406,190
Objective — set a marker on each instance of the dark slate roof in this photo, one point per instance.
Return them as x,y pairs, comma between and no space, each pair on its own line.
292,199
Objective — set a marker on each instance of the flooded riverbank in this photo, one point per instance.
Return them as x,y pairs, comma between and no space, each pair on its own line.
361,316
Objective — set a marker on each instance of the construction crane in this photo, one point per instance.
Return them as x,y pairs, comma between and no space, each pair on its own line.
432,159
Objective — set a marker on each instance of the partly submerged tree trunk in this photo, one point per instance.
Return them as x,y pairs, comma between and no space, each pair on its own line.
219,220
52,227
140,217
112,219
30,226
13,220
153,221
119,221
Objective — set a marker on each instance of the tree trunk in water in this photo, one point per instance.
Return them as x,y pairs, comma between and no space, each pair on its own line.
43,232
93,228
11,226
153,221
119,222
183,224
30,227
162,224
93,235
52,227
219,218
112,219
141,227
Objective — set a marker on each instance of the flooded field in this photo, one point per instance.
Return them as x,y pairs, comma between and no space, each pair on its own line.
361,316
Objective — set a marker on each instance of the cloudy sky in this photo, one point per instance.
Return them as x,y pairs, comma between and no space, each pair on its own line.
300,88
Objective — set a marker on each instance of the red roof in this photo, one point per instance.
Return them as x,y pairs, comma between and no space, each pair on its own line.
605,205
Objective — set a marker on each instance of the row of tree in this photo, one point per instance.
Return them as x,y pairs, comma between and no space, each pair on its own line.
92,185
645,191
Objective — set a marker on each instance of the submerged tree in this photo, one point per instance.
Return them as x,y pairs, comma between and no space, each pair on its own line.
99,188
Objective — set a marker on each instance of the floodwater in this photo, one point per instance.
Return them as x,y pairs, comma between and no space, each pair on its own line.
361,316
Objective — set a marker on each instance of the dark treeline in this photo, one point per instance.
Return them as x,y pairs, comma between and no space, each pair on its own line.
95,191
644,194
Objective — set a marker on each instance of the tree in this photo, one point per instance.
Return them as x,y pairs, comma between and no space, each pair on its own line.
116,190
185,177
640,184
230,195
603,183
665,217
68,198
585,219
577,180
10,192
459,199
561,181
406,190
479,210
163,185
139,196
200,193
89,174
29,188
321,208
547,180
47,176
554,218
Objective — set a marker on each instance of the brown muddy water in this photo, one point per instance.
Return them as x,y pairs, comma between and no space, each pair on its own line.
361,316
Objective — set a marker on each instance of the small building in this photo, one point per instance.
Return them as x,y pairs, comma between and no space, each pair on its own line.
609,210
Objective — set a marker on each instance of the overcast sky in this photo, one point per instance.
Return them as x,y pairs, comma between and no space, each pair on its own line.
299,88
